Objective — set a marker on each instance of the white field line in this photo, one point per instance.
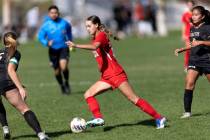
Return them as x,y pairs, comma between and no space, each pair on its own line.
51,84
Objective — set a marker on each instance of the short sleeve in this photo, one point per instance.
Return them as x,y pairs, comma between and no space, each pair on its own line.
16,58
101,37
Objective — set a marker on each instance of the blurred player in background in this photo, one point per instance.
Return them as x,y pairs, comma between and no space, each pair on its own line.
53,34
11,87
112,74
199,62
186,30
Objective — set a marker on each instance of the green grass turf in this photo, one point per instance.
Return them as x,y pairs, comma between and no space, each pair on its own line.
155,74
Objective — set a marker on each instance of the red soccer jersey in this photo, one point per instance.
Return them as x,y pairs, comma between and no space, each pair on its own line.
186,20
107,63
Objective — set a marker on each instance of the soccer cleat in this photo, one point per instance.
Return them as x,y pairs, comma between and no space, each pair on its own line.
67,88
186,115
63,90
43,136
160,123
95,122
6,133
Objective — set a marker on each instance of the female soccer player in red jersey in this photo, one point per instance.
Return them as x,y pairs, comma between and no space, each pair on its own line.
112,74
186,30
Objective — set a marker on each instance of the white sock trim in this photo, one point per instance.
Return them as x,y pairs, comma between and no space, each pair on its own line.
5,129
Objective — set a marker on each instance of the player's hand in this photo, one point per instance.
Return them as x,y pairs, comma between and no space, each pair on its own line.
49,44
177,51
23,93
71,49
70,44
195,43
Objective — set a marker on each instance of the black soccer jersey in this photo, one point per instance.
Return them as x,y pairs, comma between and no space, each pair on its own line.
200,55
4,61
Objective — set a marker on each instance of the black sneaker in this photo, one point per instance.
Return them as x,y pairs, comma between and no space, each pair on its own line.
67,88
7,136
63,89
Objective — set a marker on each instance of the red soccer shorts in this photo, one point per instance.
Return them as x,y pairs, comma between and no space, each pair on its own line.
116,81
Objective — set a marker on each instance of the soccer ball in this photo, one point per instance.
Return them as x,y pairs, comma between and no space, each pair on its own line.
77,125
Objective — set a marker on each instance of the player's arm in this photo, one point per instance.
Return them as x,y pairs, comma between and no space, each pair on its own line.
15,78
197,43
194,43
84,46
180,50
13,75
69,32
42,36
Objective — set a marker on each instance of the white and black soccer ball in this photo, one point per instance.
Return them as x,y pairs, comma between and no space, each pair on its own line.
77,125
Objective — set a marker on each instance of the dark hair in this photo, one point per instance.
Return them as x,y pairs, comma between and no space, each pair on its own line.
53,7
96,20
204,13
11,34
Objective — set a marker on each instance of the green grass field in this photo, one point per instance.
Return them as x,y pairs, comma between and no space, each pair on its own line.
155,74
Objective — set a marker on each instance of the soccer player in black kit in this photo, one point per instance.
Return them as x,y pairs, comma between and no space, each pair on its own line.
11,87
199,62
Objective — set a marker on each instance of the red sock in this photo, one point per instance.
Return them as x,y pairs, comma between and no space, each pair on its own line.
94,107
147,108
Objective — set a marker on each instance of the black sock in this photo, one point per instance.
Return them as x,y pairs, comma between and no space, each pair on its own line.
188,96
66,75
59,79
32,121
3,116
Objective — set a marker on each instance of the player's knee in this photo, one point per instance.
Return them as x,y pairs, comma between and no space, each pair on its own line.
22,108
189,84
63,68
57,71
87,94
90,93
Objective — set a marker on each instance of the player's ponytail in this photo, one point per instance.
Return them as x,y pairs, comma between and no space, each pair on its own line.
96,20
108,32
10,39
207,17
